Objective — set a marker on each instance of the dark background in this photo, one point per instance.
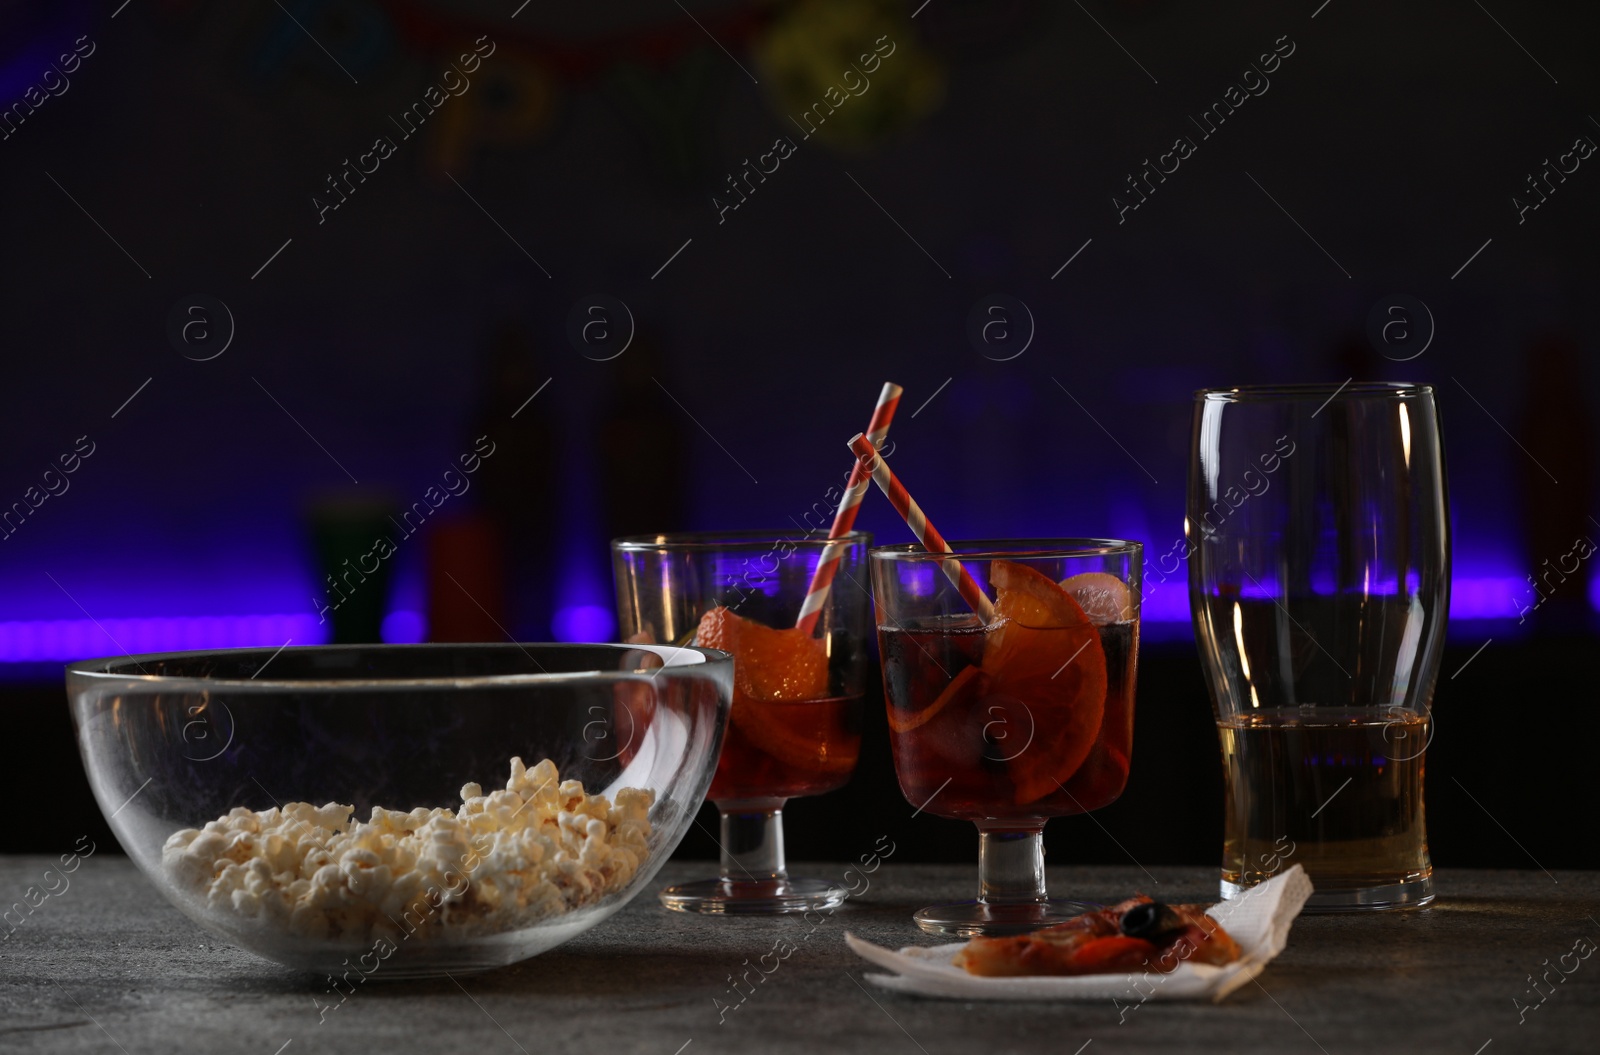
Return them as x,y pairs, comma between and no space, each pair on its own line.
591,155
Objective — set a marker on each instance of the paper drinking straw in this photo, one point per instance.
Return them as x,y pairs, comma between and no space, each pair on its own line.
845,518
926,533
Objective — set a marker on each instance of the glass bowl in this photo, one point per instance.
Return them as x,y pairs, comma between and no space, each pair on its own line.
321,806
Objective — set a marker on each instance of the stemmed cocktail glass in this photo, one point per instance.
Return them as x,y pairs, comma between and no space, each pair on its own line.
795,727
1015,715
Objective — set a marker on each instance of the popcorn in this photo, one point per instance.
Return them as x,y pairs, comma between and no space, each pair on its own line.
506,859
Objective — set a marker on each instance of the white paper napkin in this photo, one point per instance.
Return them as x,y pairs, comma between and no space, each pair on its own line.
1259,921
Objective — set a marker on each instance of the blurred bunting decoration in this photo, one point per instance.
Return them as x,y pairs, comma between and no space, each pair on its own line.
513,102
671,106
857,67
853,73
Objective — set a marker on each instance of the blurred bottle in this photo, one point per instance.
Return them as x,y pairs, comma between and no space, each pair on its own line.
1556,426
353,574
466,579
642,475
507,540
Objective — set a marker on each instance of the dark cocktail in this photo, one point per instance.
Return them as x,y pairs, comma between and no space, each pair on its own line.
1014,721
970,734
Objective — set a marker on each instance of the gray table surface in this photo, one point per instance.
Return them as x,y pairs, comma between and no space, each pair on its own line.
107,964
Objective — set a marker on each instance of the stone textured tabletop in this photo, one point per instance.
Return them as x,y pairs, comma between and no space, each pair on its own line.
106,964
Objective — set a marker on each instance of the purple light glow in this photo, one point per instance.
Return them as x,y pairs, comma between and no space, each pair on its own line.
1498,597
1166,603
404,627
584,622
50,640
40,640
1487,598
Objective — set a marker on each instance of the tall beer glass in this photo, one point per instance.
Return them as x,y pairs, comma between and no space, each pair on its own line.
1319,582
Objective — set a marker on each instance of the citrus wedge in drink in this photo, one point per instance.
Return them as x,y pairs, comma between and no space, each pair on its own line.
780,678
1104,598
971,680
1045,653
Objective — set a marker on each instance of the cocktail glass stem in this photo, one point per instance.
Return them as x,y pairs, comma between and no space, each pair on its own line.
752,842
1011,866
753,877
1011,891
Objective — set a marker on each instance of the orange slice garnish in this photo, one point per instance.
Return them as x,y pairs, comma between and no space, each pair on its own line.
1103,597
768,664
968,681
774,673
1046,654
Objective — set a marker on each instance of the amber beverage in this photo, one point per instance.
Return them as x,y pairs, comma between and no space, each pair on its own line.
1286,773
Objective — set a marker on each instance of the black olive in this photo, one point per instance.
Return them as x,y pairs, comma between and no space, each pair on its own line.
1151,919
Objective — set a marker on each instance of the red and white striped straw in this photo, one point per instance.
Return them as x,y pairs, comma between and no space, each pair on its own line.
845,518
926,533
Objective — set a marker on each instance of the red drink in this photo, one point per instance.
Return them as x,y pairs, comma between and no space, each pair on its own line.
794,727
781,750
975,745
786,735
